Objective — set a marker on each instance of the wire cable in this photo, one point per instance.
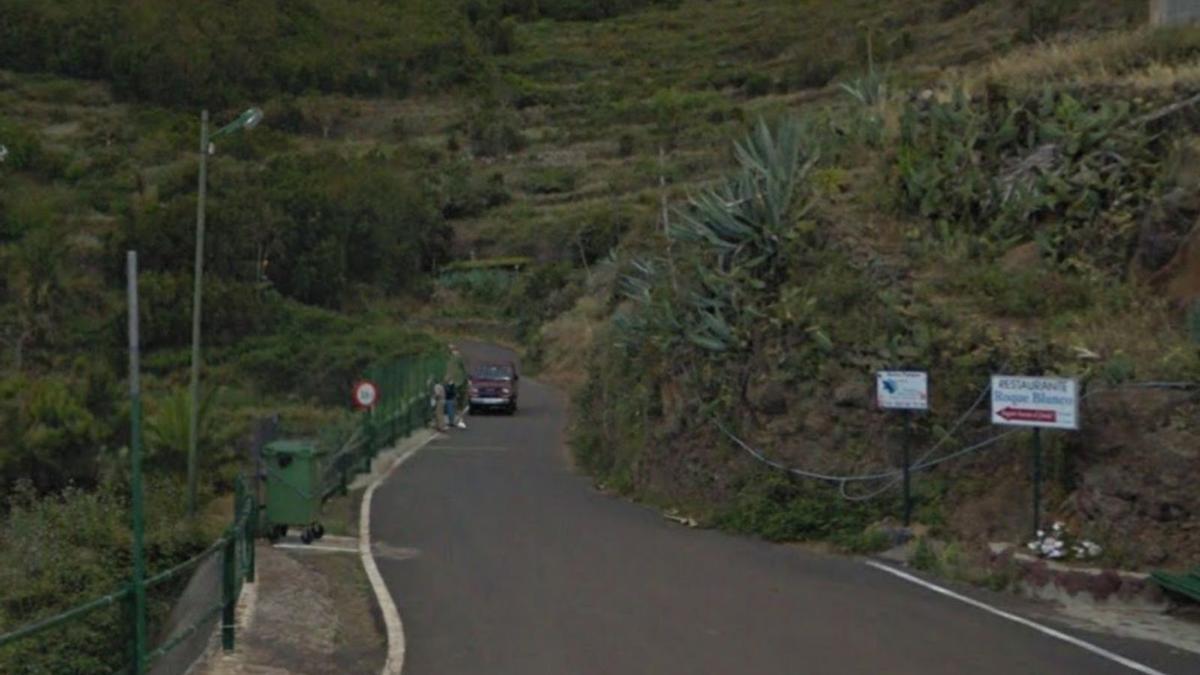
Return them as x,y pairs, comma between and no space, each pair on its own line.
894,476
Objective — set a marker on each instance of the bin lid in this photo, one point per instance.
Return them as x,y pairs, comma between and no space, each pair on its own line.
296,448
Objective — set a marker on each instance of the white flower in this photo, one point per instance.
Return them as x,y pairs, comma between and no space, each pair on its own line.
1058,527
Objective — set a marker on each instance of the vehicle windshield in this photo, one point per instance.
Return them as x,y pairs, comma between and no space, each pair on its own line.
493,372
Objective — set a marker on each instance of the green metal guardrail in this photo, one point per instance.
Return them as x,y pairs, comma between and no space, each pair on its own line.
1184,584
236,549
405,386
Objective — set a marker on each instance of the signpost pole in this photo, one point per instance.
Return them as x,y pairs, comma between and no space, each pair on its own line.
135,453
906,391
1037,480
908,436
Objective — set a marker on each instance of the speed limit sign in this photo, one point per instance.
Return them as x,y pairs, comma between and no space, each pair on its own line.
366,395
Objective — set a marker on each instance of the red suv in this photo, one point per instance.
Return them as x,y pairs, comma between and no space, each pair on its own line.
494,386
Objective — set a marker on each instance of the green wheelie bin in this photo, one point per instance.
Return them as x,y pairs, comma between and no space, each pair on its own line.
293,471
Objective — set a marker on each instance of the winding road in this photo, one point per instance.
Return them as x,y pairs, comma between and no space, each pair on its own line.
502,560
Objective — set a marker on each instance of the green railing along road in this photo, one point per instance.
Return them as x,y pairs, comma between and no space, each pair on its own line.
405,386
236,551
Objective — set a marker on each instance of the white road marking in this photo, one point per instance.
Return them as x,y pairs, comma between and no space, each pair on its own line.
1045,630
387,606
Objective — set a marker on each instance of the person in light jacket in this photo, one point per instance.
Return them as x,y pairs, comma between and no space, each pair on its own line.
439,406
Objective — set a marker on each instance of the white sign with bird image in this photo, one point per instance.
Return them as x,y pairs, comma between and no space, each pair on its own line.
902,389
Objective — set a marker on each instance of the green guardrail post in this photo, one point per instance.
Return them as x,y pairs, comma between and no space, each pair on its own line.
372,445
228,592
247,510
135,396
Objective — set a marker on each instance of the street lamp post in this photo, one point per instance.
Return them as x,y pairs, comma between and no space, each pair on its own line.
247,120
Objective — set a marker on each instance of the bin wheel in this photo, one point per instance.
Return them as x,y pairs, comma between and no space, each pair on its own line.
306,536
278,532
273,534
318,530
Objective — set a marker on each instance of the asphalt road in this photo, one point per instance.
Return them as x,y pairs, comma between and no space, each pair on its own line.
506,562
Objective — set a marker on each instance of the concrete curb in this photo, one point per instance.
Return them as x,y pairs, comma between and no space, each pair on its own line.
387,607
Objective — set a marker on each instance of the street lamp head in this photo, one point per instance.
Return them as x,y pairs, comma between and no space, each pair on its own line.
246,121
252,117
3,153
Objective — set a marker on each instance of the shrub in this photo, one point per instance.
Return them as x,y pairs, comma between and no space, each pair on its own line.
758,84
953,8
779,509
72,547
185,53
812,73
24,146
495,131
626,145
1044,18
1041,168
316,355
48,435
550,180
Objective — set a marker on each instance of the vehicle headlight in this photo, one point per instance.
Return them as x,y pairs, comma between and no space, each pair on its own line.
506,391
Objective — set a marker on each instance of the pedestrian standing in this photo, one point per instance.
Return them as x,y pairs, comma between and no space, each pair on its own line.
451,393
439,406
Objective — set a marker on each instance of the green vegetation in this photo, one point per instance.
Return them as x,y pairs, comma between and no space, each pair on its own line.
62,551
1017,210
969,185
202,54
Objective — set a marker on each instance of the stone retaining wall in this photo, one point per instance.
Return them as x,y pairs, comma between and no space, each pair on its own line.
1048,580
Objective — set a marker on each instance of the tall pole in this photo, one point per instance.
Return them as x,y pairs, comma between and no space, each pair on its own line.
193,420
135,443
908,441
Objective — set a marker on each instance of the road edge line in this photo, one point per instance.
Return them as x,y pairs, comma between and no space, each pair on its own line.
387,606
1045,630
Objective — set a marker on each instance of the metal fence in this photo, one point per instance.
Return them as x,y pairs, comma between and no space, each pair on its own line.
122,616
235,552
405,387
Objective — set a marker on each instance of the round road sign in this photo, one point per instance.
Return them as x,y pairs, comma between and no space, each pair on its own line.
366,395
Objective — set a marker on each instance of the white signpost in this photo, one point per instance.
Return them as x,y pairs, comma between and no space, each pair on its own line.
1040,402
908,391
902,389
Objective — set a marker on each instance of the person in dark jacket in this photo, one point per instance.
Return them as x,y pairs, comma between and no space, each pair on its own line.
452,418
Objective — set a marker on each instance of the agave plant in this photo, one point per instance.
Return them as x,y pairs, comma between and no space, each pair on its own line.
728,248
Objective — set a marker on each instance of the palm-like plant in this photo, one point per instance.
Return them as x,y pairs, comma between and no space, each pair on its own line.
167,427
730,243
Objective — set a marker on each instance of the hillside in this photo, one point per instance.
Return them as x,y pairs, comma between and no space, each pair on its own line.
906,254
967,186
1024,207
